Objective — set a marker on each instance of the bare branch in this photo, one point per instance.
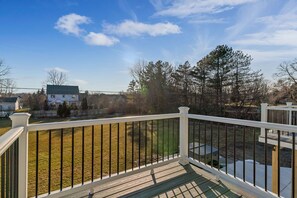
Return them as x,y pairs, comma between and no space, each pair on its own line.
4,69
55,77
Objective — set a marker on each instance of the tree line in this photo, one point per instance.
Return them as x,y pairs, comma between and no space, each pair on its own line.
221,80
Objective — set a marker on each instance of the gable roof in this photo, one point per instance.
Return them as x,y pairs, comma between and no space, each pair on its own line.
62,89
8,99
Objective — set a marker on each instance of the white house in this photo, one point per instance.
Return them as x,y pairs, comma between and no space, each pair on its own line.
57,94
10,103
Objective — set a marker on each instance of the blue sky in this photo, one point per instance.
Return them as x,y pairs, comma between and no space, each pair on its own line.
96,42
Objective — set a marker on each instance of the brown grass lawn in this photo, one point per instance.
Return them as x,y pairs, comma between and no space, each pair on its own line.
166,134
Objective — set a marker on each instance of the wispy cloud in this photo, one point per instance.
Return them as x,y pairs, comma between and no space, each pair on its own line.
184,8
69,24
100,39
208,21
276,30
276,38
80,82
59,69
133,28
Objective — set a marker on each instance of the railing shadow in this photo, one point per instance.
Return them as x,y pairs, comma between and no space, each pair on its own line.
188,184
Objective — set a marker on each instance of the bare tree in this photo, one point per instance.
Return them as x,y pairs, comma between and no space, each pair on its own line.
287,71
4,69
55,77
7,85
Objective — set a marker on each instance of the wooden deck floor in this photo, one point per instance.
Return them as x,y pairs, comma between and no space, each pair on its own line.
172,180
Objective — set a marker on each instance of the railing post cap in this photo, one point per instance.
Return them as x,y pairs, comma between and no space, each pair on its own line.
264,104
289,103
17,115
20,119
184,109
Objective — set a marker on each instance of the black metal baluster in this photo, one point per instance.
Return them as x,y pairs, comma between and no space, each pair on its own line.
163,139
101,152
83,156
234,150
132,145
254,158
7,166
92,153
243,154
3,176
193,142
145,144
49,160
173,136
16,167
11,170
178,138
218,139
139,143
199,137
211,143
278,163
110,129
152,141
205,160
157,141
72,156
226,149
61,164
265,150
168,143
36,176
125,146
118,148
293,166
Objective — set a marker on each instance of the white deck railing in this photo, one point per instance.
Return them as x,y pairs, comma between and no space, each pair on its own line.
21,128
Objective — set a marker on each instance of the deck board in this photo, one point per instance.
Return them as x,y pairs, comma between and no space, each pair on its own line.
172,180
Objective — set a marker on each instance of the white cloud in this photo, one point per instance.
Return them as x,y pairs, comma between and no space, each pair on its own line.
132,28
276,38
100,39
69,24
59,69
80,82
184,8
208,21
277,30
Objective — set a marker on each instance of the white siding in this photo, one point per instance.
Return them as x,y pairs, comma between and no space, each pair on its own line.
9,106
59,99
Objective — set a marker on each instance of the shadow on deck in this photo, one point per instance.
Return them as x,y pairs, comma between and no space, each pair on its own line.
172,180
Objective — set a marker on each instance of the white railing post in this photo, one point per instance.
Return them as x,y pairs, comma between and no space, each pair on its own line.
289,105
263,116
22,119
184,133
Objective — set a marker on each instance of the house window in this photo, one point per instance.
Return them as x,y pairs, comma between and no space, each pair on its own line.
53,96
63,96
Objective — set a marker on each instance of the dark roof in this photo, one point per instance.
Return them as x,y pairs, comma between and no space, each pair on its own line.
62,89
8,99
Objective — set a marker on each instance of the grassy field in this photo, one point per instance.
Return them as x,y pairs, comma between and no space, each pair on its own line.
5,125
163,139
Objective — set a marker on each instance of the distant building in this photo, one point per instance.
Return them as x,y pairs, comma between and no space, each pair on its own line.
57,94
10,103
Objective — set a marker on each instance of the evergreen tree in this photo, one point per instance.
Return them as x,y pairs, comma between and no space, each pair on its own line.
45,106
84,104
183,80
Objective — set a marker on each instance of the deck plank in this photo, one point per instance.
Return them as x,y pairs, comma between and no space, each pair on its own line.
172,180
